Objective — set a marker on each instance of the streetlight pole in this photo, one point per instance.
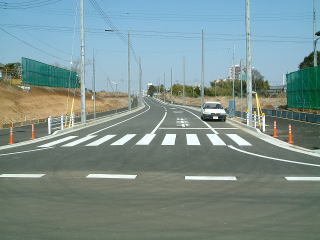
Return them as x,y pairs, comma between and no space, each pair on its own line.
171,85
315,54
184,80
140,82
248,61
202,68
129,80
164,86
82,66
94,86
234,74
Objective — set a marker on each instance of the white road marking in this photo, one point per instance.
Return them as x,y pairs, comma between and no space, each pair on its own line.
50,144
112,176
81,140
123,140
101,140
272,158
27,151
238,140
310,179
216,140
169,139
210,178
185,128
21,175
211,128
146,140
122,121
192,139
161,121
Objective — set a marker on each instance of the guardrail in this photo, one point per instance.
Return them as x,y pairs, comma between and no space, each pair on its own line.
59,123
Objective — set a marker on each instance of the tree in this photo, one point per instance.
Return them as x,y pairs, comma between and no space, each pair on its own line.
308,61
13,69
152,89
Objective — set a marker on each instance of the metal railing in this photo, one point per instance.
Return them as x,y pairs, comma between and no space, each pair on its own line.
60,123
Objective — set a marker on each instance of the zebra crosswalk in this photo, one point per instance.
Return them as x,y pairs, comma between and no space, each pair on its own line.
148,139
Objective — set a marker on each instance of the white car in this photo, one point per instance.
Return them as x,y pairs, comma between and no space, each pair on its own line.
213,111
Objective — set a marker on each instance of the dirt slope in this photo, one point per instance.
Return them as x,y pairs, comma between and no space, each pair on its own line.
17,105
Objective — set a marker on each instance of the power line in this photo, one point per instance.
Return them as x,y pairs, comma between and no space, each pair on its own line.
27,4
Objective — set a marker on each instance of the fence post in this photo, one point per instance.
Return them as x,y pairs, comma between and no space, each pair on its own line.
49,125
61,119
263,122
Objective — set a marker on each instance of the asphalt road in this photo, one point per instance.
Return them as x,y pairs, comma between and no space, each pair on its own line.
149,163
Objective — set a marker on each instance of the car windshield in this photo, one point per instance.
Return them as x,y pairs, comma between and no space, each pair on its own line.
213,106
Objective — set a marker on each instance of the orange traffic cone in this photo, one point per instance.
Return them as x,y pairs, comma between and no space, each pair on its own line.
11,136
33,136
275,135
290,135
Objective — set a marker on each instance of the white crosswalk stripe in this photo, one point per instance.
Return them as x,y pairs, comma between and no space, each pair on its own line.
81,140
216,140
238,140
146,140
51,144
123,140
101,140
169,139
192,139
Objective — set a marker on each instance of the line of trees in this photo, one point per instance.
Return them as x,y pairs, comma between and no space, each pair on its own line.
218,87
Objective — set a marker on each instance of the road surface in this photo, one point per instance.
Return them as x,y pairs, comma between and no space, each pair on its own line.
158,173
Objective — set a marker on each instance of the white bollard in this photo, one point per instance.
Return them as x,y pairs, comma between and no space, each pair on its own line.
255,119
248,118
61,119
49,125
263,122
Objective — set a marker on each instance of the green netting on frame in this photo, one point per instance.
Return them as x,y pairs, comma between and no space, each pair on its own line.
41,74
303,88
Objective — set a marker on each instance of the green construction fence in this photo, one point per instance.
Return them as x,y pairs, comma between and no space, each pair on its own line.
303,88
41,74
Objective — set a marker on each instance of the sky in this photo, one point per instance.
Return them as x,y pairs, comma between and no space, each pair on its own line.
162,33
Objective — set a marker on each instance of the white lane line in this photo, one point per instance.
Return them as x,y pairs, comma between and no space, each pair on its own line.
123,140
101,140
211,128
50,144
112,176
169,139
307,179
21,175
216,140
27,151
238,140
122,121
81,140
211,178
272,158
146,140
192,139
161,121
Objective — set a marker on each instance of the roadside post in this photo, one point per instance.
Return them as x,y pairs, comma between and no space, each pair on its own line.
33,136
248,116
49,125
263,122
255,119
11,136
290,135
62,117
275,135
72,119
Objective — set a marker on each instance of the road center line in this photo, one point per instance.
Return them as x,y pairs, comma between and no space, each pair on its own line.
122,121
21,175
305,179
272,158
112,176
27,151
211,178
161,121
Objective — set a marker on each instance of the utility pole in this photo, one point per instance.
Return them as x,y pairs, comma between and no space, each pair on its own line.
202,68
184,80
171,84
164,90
129,80
248,61
82,66
315,54
241,87
94,86
234,74
140,82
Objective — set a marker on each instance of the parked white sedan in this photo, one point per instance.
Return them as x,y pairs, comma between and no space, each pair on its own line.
213,111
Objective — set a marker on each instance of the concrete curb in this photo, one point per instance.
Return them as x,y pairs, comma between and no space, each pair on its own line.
77,127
